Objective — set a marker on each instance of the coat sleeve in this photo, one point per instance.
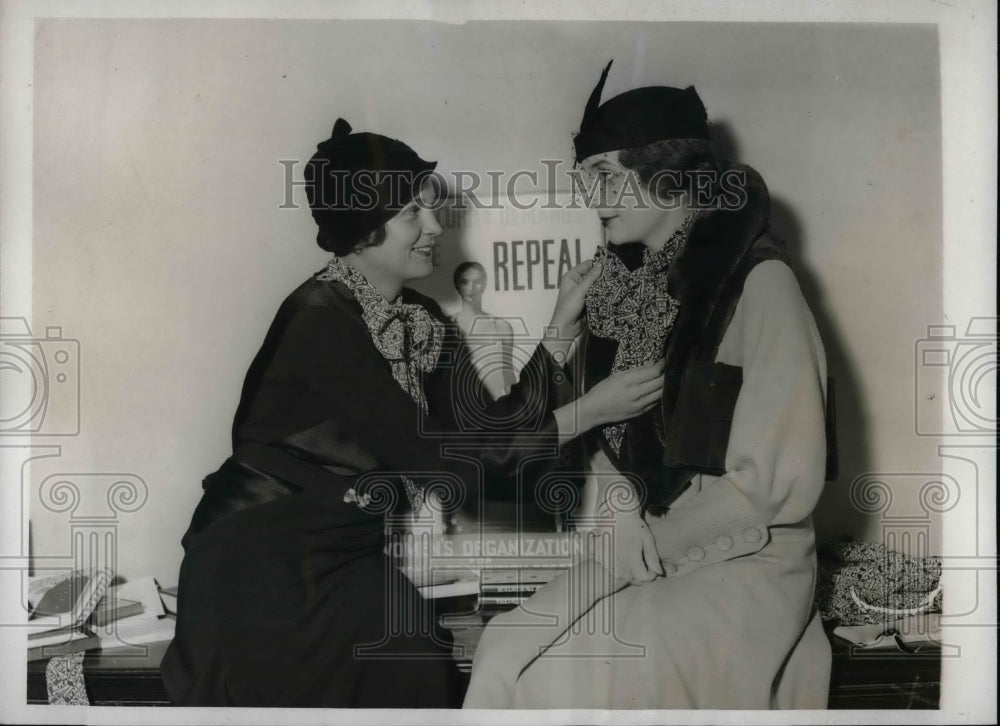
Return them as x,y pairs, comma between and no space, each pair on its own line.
365,421
775,459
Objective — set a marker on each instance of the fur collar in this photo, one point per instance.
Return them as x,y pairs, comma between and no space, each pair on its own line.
718,240
706,276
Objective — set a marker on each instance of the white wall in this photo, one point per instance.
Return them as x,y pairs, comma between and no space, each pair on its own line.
159,243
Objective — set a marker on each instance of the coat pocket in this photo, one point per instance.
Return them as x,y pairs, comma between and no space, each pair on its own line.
699,430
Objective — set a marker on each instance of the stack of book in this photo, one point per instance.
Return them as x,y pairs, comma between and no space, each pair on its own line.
152,625
80,610
505,588
501,589
502,568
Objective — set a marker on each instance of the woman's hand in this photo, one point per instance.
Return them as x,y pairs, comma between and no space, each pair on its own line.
630,553
622,396
567,316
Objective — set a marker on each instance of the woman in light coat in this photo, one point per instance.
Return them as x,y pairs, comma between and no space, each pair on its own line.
705,599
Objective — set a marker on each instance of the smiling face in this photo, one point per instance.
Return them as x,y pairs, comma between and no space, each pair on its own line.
471,284
408,250
624,204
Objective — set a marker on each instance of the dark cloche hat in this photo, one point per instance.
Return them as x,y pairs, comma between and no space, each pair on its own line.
638,117
356,182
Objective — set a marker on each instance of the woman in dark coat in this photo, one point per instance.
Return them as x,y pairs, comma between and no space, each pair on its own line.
287,596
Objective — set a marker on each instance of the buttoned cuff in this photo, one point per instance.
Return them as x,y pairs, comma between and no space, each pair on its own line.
718,524
735,541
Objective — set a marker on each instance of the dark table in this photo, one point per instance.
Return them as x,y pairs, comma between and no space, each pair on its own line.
860,679
127,676
880,679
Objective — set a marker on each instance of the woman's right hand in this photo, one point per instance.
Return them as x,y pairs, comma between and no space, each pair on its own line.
622,396
567,317
572,298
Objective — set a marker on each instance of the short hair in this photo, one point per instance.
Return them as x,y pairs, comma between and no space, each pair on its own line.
463,268
681,156
333,244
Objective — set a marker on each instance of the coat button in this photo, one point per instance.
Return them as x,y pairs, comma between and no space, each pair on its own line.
752,535
669,567
696,554
725,543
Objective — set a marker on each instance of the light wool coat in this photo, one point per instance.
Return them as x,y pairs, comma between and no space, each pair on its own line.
732,625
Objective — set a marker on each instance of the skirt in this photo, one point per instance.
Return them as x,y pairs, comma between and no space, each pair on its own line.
289,603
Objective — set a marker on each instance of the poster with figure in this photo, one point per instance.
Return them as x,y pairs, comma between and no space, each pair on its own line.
521,246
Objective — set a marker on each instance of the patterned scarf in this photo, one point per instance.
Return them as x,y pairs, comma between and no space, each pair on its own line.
634,308
405,334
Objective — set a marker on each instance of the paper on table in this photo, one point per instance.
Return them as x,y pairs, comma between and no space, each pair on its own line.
425,577
59,636
137,630
451,589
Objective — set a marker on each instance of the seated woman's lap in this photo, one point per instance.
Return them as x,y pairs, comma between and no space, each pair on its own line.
293,622
365,629
675,642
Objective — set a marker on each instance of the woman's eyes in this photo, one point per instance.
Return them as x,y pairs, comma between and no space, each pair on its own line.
605,175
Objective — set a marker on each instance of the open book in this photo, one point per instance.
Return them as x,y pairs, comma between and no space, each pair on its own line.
59,607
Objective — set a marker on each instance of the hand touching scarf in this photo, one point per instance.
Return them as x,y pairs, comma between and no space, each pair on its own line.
634,308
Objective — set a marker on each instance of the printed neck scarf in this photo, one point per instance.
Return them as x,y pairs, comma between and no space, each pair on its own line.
405,334
634,308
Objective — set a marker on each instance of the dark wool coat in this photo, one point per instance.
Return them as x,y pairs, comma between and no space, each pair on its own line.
286,596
